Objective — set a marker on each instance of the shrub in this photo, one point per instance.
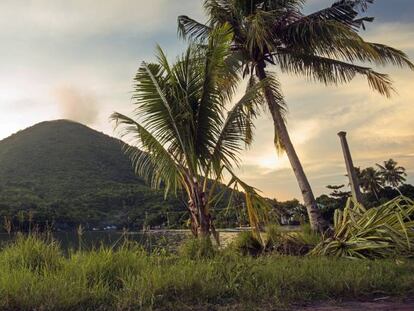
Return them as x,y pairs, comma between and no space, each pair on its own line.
382,232
32,252
246,243
290,243
197,248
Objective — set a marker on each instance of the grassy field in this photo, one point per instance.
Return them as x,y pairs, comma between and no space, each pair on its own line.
35,275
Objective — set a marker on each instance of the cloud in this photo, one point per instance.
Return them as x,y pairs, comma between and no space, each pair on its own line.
77,105
85,18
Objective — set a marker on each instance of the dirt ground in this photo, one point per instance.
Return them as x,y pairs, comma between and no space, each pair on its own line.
363,306
378,305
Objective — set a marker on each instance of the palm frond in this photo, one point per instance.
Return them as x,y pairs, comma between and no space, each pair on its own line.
334,40
150,159
219,11
260,37
237,130
257,207
389,55
214,91
331,71
189,28
154,108
275,98
345,12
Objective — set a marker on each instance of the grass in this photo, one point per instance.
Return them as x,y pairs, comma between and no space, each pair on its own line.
35,275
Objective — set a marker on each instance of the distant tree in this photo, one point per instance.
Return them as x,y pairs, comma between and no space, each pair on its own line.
371,181
324,46
391,174
337,192
407,190
335,200
183,136
298,212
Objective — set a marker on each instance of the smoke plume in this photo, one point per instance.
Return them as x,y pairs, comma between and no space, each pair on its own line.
77,105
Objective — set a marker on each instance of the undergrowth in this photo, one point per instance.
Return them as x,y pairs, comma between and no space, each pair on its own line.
35,275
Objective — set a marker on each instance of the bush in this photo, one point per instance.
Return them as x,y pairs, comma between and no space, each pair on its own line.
246,243
32,252
290,243
382,232
274,238
197,248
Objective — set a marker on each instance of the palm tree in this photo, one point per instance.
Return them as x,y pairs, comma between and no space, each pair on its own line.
391,174
324,46
371,181
182,138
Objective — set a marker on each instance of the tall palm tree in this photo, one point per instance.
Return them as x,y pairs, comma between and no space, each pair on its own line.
371,181
183,139
324,46
391,174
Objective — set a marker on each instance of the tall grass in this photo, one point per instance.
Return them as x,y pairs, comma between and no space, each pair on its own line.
34,275
277,241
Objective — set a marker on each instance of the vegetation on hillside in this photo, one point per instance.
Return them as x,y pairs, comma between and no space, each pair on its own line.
62,173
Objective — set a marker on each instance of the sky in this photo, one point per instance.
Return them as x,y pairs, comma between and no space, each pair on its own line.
76,60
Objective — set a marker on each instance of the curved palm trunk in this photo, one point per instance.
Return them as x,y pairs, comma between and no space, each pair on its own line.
316,221
201,221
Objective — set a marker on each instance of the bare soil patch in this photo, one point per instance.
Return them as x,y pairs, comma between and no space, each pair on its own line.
363,306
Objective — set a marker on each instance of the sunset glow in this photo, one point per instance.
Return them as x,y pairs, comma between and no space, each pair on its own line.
76,60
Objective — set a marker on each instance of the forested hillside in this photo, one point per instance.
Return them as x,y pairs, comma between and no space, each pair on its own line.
66,173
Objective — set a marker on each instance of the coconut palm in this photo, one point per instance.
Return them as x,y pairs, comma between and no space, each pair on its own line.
371,181
324,46
391,174
183,139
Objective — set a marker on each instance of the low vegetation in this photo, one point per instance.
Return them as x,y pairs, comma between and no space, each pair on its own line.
384,231
276,241
35,275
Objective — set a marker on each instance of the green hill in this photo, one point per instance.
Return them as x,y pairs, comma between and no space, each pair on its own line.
68,173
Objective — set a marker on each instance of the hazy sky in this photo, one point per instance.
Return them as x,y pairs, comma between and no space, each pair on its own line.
76,59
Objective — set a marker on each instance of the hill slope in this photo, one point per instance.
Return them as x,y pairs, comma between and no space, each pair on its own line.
69,173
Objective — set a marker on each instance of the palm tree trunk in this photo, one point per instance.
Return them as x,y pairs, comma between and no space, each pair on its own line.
316,221
200,219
